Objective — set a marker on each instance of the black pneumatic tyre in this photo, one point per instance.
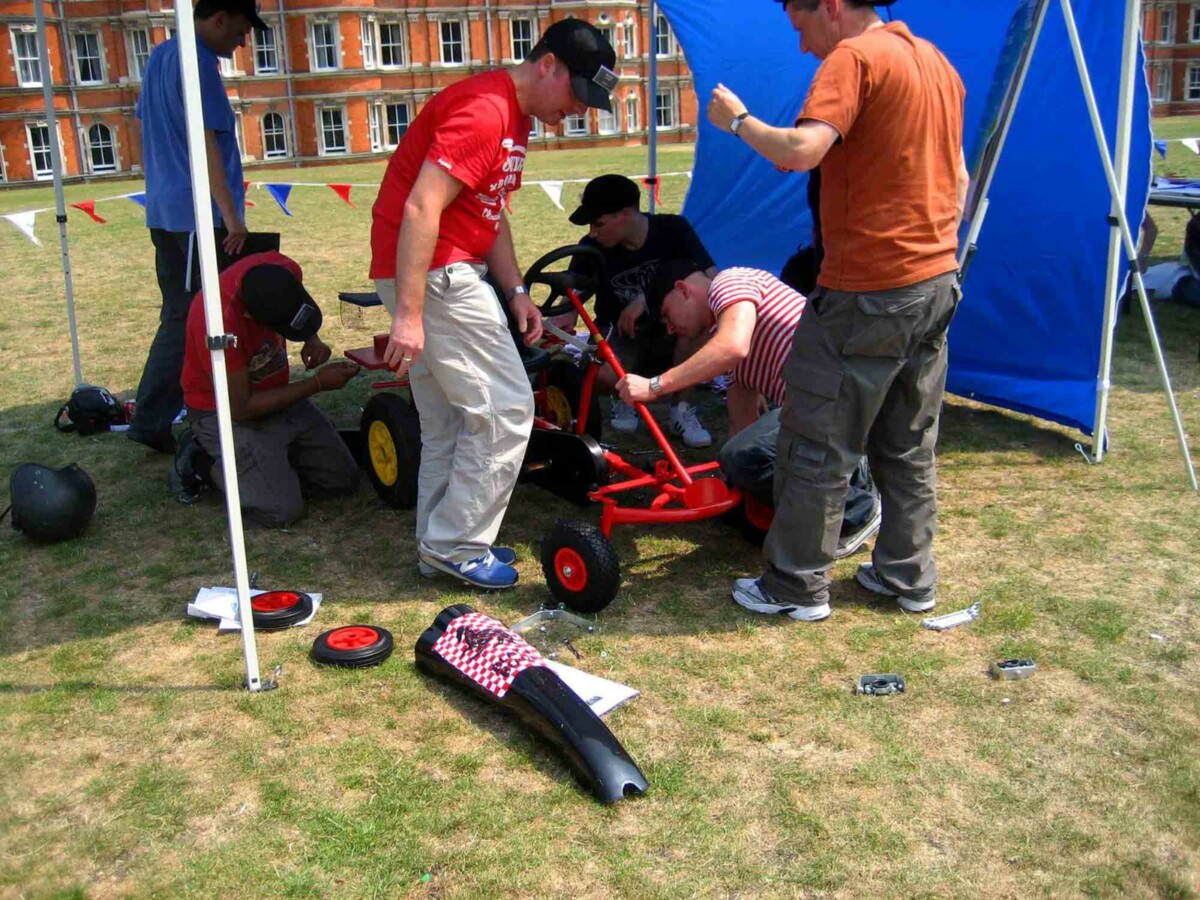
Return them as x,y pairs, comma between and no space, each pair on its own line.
581,566
564,390
353,646
391,432
274,610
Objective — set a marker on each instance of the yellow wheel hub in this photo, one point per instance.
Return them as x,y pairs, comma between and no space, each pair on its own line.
384,462
558,406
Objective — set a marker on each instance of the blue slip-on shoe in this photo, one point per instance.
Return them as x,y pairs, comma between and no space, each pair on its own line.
485,572
505,555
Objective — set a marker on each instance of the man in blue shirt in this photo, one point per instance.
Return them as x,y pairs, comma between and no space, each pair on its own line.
221,27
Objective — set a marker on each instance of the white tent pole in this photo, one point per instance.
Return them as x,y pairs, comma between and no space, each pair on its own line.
652,103
1112,282
215,323
56,162
1118,213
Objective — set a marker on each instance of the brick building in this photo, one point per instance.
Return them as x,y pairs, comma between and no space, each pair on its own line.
1171,35
331,80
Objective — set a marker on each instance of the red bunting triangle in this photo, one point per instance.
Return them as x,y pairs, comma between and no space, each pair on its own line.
654,182
249,203
88,207
343,191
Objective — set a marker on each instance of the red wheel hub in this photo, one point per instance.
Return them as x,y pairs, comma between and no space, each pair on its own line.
353,637
271,601
570,569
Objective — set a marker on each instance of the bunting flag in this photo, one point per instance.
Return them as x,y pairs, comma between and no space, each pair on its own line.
139,199
1161,147
280,193
343,191
23,222
1192,144
553,190
246,200
88,208
654,183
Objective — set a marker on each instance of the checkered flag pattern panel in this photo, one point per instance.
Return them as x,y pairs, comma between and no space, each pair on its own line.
484,650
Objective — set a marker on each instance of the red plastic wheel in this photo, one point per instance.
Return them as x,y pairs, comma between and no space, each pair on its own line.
571,569
352,637
272,601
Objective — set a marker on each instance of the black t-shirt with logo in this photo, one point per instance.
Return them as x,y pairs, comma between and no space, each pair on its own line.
627,272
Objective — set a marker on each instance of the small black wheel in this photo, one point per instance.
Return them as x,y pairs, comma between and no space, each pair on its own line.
274,610
581,566
391,432
353,646
564,390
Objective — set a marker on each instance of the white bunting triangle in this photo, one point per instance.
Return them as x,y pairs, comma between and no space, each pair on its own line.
23,221
553,190
1192,144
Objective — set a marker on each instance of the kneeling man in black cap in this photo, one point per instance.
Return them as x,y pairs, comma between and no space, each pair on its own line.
283,443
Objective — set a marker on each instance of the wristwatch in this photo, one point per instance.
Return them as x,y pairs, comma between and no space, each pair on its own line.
656,385
736,124
519,289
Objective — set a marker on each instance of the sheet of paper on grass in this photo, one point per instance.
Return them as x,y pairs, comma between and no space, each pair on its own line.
602,695
222,603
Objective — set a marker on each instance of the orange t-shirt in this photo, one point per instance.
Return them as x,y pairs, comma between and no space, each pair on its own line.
889,199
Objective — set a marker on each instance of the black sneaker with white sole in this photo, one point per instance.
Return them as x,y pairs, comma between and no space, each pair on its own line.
869,578
748,593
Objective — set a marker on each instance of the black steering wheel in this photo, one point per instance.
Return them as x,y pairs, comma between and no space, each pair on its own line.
583,283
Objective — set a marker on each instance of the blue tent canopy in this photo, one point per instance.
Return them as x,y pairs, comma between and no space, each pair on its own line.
1029,333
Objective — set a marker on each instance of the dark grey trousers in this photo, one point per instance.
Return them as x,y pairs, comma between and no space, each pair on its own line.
279,458
866,376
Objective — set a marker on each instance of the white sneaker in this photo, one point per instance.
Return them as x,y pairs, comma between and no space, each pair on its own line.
624,417
685,424
748,593
869,578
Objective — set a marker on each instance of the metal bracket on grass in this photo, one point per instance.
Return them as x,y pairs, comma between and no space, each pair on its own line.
879,685
1014,669
543,616
954,619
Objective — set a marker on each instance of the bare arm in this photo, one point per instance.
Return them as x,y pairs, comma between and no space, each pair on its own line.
502,260
219,189
798,149
246,405
964,183
743,406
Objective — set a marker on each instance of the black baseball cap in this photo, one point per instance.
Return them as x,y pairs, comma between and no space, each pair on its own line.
663,282
589,57
275,297
603,195
247,8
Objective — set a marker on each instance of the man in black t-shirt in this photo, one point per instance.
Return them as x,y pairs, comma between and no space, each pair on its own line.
634,245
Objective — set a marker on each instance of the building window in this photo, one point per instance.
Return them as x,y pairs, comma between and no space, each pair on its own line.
325,46
1166,25
274,137
25,51
1193,91
666,43
387,123
368,43
522,38
609,35
607,121
89,63
453,44
535,128
139,53
102,149
575,125
40,155
664,109
397,122
630,30
1194,31
228,67
391,45
1162,83
266,54
631,114
333,131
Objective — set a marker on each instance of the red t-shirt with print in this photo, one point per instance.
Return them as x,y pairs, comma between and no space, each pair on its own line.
475,131
260,350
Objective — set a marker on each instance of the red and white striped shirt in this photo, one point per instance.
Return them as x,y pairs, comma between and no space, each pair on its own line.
779,309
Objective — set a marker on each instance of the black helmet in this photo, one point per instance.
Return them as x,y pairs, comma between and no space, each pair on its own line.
51,505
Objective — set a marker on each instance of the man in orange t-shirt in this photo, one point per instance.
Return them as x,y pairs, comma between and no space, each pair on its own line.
883,119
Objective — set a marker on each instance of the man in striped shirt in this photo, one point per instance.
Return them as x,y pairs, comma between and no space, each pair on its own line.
752,317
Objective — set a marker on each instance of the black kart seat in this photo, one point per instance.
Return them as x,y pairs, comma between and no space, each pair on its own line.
535,359
368,299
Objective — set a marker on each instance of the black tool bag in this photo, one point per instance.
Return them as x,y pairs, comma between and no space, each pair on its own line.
90,409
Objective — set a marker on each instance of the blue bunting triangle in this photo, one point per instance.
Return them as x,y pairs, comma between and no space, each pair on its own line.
280,193
1161,147
139,199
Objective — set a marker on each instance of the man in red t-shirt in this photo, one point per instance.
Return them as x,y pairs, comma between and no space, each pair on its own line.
752,317
883,119
438,226
283,444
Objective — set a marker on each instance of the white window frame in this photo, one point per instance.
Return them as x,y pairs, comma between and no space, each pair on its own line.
375,127
576,126
612,118
269,49
664,33
239,135
462,42
283,135
1166,25
1194,29
316,49
632,114
228,66
369,43
386,121
1162,84
20,34
47,173
609,30
3,170
1193,83
92,146
630,39
322,148
137,64
77,58
535,128
402,33
521,46
672,107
